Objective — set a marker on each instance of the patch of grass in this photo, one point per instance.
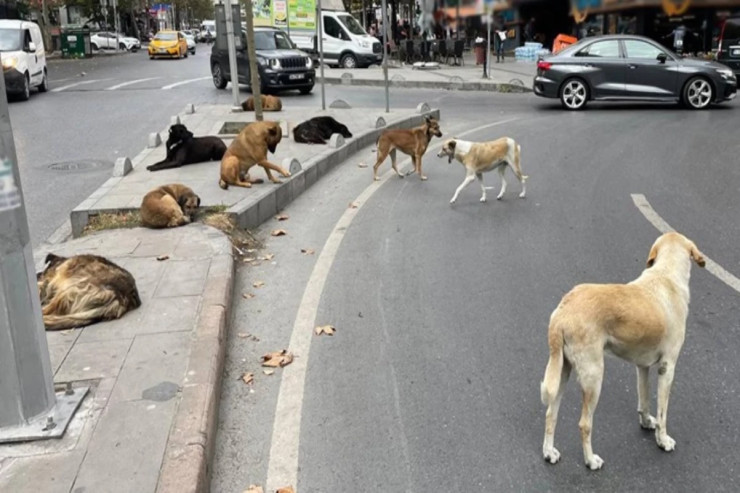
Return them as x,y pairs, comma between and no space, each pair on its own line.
242,239
103,222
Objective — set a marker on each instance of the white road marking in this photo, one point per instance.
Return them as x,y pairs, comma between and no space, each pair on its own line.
661,225
183,82
283,461
69,86
131,82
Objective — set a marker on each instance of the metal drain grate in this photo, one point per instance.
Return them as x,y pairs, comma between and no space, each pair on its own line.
81,165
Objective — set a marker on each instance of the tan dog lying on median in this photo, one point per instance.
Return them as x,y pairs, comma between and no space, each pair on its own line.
269,103
643,322
411,141
480,157
249,148
169,206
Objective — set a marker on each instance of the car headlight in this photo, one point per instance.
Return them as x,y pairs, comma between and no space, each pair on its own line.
726,73
309,62
274,64
9,62
364,43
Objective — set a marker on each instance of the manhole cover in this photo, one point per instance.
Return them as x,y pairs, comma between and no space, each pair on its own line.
81,165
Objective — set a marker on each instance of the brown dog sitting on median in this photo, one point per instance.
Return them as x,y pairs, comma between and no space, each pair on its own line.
81,290
269,103
169,206
249,148
411,141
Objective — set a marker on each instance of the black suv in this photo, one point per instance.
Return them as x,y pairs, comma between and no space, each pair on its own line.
281,65
728,52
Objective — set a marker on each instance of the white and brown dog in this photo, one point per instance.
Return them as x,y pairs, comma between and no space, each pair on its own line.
643,322
480,157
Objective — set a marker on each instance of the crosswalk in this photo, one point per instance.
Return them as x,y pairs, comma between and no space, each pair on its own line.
147,83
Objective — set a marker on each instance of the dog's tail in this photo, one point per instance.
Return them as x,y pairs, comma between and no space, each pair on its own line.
550,385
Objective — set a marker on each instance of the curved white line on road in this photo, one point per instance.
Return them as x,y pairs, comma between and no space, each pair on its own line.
69,86
183,82
283,461
129,83
661,225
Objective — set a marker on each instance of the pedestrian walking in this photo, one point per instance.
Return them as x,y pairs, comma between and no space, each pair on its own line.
529,30
499,39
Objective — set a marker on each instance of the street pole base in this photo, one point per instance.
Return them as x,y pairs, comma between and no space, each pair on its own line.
52,424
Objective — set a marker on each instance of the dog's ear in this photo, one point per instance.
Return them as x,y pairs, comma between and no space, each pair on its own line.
697,255
652,256
451,155
197,201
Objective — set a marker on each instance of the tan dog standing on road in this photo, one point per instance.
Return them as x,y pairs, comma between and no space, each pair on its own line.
643,322
169,206
249,148
411,141
269,103
480,157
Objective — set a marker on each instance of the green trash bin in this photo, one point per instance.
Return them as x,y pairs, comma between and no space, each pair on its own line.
75,42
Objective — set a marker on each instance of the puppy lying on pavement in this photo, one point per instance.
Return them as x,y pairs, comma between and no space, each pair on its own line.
249,148
183,148
480,157
643,322
269,103
169,206
411,141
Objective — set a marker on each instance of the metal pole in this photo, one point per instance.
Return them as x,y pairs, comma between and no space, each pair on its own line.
231,49
320,27
384,13
115,20
26,389
287,16
254,76
488,46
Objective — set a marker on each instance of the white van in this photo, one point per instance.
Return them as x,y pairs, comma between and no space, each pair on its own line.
345,42
23,57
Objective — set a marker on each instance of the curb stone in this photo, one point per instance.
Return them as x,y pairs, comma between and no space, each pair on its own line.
420,84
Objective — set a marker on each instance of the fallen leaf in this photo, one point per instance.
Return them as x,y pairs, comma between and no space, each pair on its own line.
277,359
279,232
254,489
163,257
325,329
248,378
282,217
362,165
251,250
268,372
354,205
243,335
308,251
269,256
249,259
286,489
247,296
258,284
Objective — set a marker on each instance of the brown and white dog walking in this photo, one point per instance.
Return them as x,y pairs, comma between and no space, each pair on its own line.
480,157
643,322
249,148
411,141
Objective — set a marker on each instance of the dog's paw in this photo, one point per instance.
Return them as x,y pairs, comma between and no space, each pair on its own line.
595,463
452,201
375,178
522,195
424,178
482,199
552,456
498,197
287,174
150,167
647,422
666,443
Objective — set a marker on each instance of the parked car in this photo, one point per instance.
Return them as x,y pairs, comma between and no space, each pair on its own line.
23,58
281,65
190,40
626,67
171,44
107,41
728,51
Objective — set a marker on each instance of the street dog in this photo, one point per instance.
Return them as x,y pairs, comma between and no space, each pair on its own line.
183,148
249,148
643,322
84,289
169,206
318,130
480,157
269,103
410,141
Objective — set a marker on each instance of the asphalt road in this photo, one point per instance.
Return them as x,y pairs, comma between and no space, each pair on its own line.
431,382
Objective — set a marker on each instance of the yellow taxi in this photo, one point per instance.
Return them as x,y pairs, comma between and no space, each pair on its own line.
168,44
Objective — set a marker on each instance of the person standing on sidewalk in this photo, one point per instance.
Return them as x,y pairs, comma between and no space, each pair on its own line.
499,39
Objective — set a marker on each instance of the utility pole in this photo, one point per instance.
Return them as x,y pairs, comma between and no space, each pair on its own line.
231,49
29,408
254,75
384,13
320,45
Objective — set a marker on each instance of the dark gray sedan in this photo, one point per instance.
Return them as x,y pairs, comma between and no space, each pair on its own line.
625,67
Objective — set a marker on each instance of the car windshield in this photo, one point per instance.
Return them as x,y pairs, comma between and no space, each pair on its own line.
732,30
351,24
165,36
10,40
272,40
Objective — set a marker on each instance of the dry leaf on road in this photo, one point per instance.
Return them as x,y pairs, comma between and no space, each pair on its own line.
258,284
248,259
247,296
248,378
354,205
268,372
277,359
254,489
325,329
279,232
243,335
286,489
268,256
282,217
362,165
163,257
308,251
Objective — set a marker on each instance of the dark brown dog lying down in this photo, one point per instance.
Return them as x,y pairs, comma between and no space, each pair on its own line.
318,130
169,206
81,290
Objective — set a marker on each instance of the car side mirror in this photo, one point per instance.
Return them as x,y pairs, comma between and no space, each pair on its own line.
31,47
662,57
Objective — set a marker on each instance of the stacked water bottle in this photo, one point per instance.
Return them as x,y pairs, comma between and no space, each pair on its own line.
530,52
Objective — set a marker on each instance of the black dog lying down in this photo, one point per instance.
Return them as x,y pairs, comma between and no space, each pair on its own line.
183,148
318,130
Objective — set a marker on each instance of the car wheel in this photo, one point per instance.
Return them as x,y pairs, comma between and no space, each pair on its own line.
306,90
348,61
698,93
44,83
186,53
122,47
574,94
193,50
26,93
94,46
218,77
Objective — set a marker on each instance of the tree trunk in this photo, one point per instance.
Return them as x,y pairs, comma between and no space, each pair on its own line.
254,81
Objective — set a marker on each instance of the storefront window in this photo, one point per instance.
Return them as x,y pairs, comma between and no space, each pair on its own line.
593,26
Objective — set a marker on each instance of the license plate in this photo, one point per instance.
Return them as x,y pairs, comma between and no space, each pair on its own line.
161,50
296,76
736,52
